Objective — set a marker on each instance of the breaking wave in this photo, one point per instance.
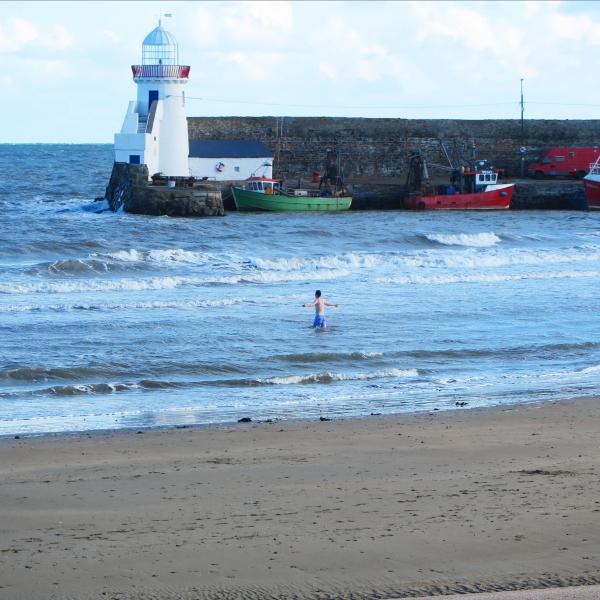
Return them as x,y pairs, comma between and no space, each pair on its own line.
477,240
173,255
161,283
324,357
482,259
231,269
157,304
482,278
345,261
321,378
90,388
77,266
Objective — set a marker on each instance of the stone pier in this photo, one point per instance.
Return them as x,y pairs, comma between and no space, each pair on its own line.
129,190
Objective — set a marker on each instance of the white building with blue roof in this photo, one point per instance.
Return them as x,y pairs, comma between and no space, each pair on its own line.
230,160
155,131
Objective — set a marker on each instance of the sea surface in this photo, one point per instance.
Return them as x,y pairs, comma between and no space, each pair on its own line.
117,321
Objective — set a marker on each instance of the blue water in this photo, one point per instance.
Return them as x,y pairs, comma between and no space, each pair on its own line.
115,320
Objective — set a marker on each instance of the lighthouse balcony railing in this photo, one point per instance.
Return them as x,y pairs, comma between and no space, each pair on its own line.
167,71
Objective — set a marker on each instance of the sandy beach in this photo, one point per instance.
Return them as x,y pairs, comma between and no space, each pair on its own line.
437,503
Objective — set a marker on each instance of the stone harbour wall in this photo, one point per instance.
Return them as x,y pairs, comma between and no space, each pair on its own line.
128,190
380,147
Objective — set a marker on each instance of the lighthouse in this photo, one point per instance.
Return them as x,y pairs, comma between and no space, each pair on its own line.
154,130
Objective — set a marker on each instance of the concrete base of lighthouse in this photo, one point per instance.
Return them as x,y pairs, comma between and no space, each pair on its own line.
128,189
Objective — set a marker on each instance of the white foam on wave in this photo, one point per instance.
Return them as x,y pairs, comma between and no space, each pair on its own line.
126,255
330,377
24,308
592,369
161,255
345,261
86,285
267,277
468,258
479,240
482,278
473,251
490,259
177,255
160,283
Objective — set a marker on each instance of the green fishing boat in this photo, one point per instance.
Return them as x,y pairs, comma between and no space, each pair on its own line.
262,193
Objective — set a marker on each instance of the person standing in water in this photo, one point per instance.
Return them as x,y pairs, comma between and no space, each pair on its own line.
319,304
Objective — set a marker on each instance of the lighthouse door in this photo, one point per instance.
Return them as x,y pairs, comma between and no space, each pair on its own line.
152,96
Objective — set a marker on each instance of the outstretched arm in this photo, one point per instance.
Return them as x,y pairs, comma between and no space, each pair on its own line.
309,304
331,304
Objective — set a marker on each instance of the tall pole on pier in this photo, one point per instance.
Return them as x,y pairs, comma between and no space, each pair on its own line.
522,148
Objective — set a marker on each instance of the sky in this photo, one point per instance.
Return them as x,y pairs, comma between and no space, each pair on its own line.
65,66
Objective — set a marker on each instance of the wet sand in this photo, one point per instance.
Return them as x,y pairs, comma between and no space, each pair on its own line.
380,507
588,592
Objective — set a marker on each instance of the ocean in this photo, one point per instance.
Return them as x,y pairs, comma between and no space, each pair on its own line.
111,321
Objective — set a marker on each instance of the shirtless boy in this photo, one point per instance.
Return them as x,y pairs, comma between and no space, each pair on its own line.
319,304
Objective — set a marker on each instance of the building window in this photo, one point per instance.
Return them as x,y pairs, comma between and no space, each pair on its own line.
236,169
134,159
560,159
571,154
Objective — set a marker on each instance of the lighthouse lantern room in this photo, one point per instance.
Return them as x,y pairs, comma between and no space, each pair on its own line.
154,130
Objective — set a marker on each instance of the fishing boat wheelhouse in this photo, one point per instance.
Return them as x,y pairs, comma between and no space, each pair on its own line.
263,185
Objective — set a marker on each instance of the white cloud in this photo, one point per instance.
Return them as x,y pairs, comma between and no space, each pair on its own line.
328,70
254,66
110,36
575,28
18,33
47,69
237,24
272,14
58,38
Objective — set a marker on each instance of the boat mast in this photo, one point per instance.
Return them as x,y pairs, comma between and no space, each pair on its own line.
279,134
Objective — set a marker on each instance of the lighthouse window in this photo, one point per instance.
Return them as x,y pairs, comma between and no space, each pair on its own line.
560,159
571,154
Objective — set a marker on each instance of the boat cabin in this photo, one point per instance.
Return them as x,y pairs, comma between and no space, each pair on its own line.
471,182
263,185
485,178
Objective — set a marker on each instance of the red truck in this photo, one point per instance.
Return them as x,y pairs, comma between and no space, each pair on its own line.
564,162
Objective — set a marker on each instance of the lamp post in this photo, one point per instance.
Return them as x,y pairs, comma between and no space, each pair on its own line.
522,147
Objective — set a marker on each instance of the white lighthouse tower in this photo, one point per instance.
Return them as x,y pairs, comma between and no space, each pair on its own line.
155,131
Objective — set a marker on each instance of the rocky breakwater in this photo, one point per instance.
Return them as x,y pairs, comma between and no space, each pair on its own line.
129,190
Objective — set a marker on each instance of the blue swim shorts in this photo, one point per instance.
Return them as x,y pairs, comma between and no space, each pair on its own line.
319,321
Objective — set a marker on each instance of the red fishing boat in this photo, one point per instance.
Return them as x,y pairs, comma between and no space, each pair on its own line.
475,188
591,186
